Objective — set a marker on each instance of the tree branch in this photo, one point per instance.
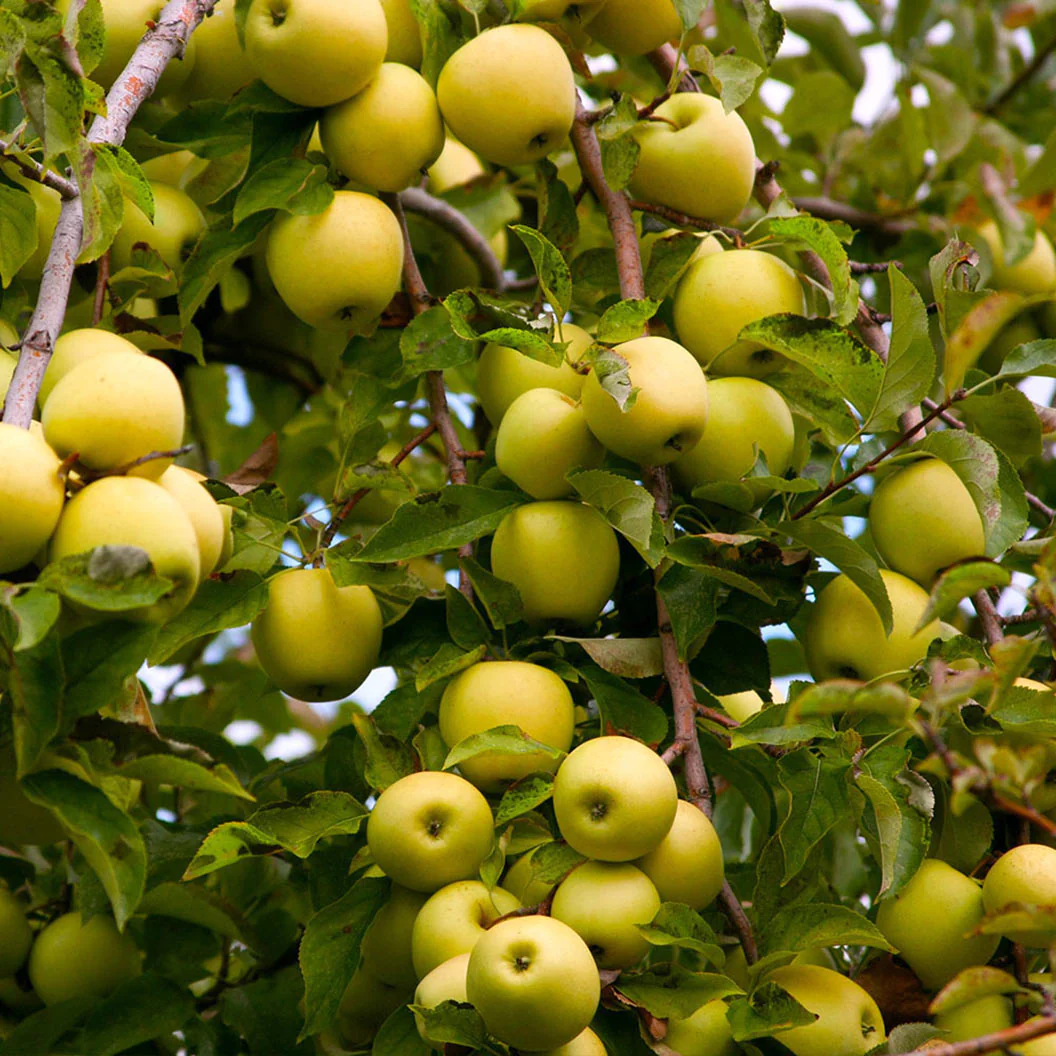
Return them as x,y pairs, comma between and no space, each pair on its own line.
35,171
988,617
1024,77
999,1041
830,209
685,220
731,906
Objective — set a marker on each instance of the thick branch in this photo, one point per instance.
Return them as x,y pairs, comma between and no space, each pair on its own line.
999,1041
35,171
663,61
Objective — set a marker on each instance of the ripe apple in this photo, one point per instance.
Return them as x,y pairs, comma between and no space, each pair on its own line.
705,1033
923,519
71,959
687,866
929,922
1043,1046
603,903
405,38
562,557
444,983
984,1016
534,982
177,169
177,225
742,706
338,269
507,693
8,355
315,52
74,347
126,23
31,496
48,204
113,409
845,637
430,829
669,412
452,921
202,511
483,98
315,640
387,943
848,1023
745,417
1027,875
221,67
16,936
503,373
456,166
585,1044
720,295
1035,273
521,882
387,134
366,1003
633,27
614,799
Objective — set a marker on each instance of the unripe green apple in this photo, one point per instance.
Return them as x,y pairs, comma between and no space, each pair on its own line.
585,1044
1035,273
845,637
387,134
720,295
452,921
695,158
16,936
48,204
126,22
228,547
483,97
929,922
687,866
31,496
315,640
221,67
614,799
339,268
521,882
633,27
534,982
444,983
742,706
849,1023
113,409
543,436
202,511
387,943
1026,875
19,999
316,52
507,693
987,1015
405,38
71,959
922,519
563,558
669,412
21,820
503,373
430,829
745,417
74,347
177,225
8,356
366,1003
705,1033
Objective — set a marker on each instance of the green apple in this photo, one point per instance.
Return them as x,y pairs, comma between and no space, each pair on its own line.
552,10
670,410
340,268
72,959
126,22
520,880
1043,1046
746,417
930,920
221,67
315,640
16,936
386,134
585,1044
430,829
316,52
452,921
8,355
177,225
984,1016
74,347
705,1033
202,511
543,436
848,1023
534,982
742,706
615,799
507,693
387,943
21,820
405,38
366,1003
31,497
563,558
130,511
720,295
845,638
923,519
695,158
1035,273
687,866
1023,876
633,27
18,998
603,903
485,97
48,204
503,373
447,982
176,168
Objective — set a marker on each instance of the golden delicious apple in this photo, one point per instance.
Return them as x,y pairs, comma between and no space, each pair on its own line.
338,269
922,519
457,165
444,983
221,67
520,880
705,1033
405,38
16,936
563,558
366,1003
1024,875
845,637
430,829
176,168
742,706
74,347
534,982
585,1044
387,134
315,640
48,204
984,1016
720,295
31,497
507,693
670,411
1043,1046
178,224
503,373
543,436
1035,273
509,94
614,799
316,52
633,27
687,866
452,921
202,511
387,944
126,23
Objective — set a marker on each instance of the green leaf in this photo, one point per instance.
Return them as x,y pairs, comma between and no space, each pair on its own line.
552,862
430,343
769,1011
627,506
821,106
676,925
291,184
106,579
814,925
32,680
623,709
52,95
99,660
162,769
1032,357
38,1034
837,696
691,597
950,273
465,625
971,985
1008,420
448,660
951,121
818,799
18,230
625,321
1041,176
509,740
668,261
452,1024
387,759
555,280
671,990
823,239
193,904
32,611
771,726
767,26
619,158
624,657
614,374
960,582
399,1036
689,11
523,796
732,76
501,600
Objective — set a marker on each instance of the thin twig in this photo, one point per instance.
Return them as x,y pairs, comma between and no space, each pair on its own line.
988,617
830,209
102,280
1043,508
1024,77
37,172
731,906
999,1041
685,220
1021,810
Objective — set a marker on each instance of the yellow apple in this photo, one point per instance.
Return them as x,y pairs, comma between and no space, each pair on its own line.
509,94
405,38
221,67
178,224
202,511
31,496
455,166
74,347
316,52
176,169
669,413
983,1016
8,355
1035,273
705,1033
1043,1046
16,936
447,982
563,558
387,943
126,23
742,706
387,134
1024,875
687,866
520,881
366,1003
633,27
585,1044
339,268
